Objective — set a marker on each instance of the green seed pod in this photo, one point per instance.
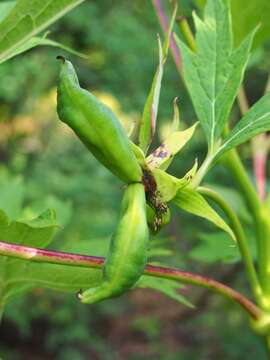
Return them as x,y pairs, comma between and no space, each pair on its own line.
127,256
96,126
262,325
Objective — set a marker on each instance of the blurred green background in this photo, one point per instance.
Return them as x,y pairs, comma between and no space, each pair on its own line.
43,165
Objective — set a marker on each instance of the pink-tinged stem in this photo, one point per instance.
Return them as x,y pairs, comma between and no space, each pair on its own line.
165,27
260,150
63,258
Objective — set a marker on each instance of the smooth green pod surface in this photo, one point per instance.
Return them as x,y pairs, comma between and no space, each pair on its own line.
127,256
96,126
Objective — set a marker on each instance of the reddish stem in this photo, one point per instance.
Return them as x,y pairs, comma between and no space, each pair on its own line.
165,27
260,150
63,258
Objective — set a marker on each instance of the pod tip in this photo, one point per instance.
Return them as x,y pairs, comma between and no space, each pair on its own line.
79,294
61,58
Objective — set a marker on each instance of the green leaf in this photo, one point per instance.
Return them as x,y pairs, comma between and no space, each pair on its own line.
5,8
41,41
218,247
247,15
234,199
148,121
168,185
164,154
255,121
35,233
214,73
193,202
139,154
147,124
165,286
26,19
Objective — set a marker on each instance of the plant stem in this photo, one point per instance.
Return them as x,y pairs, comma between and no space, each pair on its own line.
261,223
242,100
63,258
240,237
203,169
259,146
165,27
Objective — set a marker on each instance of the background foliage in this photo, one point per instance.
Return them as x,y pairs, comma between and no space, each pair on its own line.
43,165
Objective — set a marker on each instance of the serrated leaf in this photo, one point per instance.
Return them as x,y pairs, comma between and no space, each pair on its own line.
193,202
41,41
162,156
246,16
26,19
254,122
166,287
214,73
147,124
35,233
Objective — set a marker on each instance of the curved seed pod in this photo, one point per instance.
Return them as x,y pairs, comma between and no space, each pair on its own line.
128,250
96,126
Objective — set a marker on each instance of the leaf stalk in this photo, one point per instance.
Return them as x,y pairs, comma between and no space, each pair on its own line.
63,258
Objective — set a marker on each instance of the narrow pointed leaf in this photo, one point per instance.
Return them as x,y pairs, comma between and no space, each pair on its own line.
176,116
255,121
214,73
41,41
162,156
148,121
26,19
193,202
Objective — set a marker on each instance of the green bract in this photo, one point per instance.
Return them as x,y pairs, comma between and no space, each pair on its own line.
128,250
96,126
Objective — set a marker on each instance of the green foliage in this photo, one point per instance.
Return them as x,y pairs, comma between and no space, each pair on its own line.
164,154
191,201
218,247
38,41
246,16
214,72
147,124
25,20
75,181
256,121
35,233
